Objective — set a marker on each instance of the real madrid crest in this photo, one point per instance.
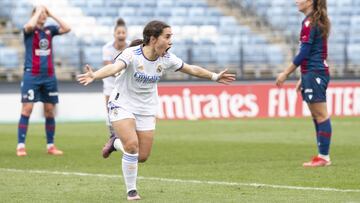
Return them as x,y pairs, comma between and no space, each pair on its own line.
115,112
159,68
140,68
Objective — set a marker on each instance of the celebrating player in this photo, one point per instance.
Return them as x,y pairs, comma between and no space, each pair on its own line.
134,102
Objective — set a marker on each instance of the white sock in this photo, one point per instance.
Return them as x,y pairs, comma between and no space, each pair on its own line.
48,146
326,157
20,145
130,169
118,145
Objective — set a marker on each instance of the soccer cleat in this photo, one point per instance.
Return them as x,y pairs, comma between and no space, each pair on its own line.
54,151
21,152
133,195
317,162
109,147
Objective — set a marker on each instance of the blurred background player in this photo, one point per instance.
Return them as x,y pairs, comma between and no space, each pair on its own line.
314,73
110,51
39,81
133,105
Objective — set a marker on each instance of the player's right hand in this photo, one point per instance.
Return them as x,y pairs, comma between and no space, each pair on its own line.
87,77
281,79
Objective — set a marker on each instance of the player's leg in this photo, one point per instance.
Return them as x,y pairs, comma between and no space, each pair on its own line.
49,96
29,95
145,129
125,129
49,113
26,110
321,116
314,93
113,144
145,144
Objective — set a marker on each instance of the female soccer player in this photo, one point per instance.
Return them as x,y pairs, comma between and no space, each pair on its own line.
133,104
110,51
39,81
314,73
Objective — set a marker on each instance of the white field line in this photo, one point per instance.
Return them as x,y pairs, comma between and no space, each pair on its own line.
202,182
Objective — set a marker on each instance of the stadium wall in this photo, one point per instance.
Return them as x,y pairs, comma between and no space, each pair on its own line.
200,101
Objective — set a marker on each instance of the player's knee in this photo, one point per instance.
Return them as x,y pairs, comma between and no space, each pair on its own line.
49,113
131,147
26,111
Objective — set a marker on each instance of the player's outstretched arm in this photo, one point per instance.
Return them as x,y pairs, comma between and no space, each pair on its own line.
89,76
223,77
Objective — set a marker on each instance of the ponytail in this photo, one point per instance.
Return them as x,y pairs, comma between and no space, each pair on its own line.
136,42
319,17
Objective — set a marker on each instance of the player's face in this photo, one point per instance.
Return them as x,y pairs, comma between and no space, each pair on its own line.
304,5
120,34
163,42
42,18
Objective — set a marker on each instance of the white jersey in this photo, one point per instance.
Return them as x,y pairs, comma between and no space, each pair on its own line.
109,53
136,89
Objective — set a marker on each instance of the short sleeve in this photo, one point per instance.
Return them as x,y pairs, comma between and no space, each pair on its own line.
54,30
307,33
126,56
174,62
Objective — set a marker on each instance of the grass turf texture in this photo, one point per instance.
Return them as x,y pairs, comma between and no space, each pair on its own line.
267,151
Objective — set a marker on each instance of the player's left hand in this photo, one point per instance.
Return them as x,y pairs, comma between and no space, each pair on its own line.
226,78
86,78
281,79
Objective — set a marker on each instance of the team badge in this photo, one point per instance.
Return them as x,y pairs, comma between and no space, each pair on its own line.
140,68
318,80
115,112
310,96
159,69
44,44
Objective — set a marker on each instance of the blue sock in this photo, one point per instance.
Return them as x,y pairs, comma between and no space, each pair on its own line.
50,130
22,128
324,137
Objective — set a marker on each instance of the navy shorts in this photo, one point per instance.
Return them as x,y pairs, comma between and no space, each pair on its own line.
39,88
313,87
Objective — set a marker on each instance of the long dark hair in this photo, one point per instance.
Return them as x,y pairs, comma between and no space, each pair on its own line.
153,28
319,17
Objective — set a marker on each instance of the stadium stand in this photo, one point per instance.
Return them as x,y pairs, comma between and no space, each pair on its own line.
344,41
205,33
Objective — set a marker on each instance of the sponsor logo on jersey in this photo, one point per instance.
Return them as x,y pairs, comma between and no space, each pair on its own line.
44,48
144,78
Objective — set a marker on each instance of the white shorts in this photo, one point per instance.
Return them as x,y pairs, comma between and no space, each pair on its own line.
142,122
108,85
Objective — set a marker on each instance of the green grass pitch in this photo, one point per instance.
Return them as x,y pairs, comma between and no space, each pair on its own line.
198,161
